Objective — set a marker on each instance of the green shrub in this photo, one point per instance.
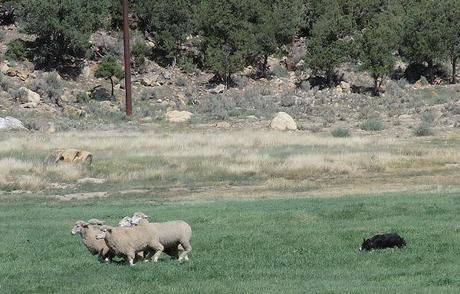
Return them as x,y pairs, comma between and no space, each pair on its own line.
280,71
219,107
49,85
305,85
423,129
181,82
139,53
187,65
428,118
16,50
372,124
82,97
341,133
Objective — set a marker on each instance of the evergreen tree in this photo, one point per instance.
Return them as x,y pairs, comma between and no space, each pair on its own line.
447,14
376,51
170,22
330,43
422,37
108,69
275,25
62,27
226,36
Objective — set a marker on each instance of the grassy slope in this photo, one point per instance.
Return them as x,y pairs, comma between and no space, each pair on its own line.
270,246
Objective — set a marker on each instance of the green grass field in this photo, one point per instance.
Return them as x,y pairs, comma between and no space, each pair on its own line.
245,246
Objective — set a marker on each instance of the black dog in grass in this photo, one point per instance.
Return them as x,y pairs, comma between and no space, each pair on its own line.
382,242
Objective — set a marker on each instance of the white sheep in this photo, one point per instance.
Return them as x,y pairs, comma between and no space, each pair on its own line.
175,235
125,222
87,232
127,242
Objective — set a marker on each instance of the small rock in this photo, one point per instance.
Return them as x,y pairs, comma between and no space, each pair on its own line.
283,121
29,105
74,111
146,119
178,116
166,75
346,87
91,181
67,96
218,89
223,125
51,128
4,68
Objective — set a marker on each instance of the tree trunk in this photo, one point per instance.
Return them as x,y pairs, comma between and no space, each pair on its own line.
376,85
454,70
264,65
330,77
430,72
111,81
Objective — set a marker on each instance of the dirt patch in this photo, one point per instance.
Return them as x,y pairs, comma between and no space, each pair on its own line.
81,196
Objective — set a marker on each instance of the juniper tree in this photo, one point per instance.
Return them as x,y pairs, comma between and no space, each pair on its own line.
109,68
62,27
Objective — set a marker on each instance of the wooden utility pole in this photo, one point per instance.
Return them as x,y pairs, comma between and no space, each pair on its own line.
127,59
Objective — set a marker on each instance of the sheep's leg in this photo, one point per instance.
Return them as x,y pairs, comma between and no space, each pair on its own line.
148,255
130,258
158,247
139,256
187,248
105,256
172,251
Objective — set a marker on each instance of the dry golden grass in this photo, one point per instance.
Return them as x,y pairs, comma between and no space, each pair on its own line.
265,159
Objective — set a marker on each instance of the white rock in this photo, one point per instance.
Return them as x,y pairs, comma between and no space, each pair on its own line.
11,123
178,116
218,89
283,121
346,87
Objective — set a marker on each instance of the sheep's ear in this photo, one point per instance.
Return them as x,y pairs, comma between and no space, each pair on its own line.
85,225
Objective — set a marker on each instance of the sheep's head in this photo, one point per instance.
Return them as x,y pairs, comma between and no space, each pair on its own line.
137,217
79,225
95,222
125,222
103,232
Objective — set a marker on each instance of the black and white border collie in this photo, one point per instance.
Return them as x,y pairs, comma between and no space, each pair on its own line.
382,242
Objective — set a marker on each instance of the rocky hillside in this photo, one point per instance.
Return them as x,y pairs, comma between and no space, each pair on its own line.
50,101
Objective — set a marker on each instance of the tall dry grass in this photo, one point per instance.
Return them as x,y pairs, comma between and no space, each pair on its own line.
275,160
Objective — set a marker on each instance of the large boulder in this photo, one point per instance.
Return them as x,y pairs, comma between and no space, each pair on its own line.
28,96
149,80
178,116
18,72
11,123
283,121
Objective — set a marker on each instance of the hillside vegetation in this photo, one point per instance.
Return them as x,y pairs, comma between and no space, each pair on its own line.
228,35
